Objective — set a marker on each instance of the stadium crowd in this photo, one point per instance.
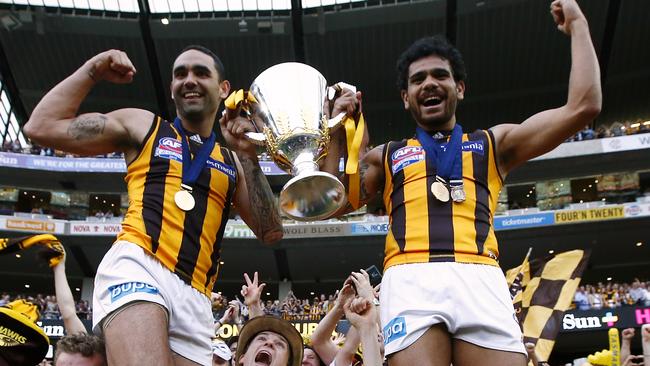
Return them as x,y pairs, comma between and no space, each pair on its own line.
588,297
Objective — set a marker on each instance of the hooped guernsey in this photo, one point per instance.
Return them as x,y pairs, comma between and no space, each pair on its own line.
187,243
424,229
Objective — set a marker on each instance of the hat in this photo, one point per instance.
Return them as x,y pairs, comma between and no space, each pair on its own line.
22,342
272,324
221,349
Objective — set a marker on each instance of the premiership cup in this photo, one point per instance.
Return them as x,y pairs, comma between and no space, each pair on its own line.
287,110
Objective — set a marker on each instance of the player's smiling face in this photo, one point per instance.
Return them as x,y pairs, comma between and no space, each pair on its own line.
432,94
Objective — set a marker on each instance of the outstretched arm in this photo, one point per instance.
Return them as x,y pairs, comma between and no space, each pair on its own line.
55,123
65,301
544,131
320,339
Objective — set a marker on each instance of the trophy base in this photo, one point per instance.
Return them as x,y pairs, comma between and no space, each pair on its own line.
312,196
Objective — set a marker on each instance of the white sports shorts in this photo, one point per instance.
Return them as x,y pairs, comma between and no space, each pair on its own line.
472,300
127,274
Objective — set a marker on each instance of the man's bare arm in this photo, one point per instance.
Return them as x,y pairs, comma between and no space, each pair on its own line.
255,201
544,131
55,123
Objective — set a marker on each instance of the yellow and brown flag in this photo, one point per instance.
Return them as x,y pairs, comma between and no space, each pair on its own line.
50,247
542,291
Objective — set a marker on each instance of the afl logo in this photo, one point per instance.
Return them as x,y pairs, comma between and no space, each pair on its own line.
169,148
171,143
406,156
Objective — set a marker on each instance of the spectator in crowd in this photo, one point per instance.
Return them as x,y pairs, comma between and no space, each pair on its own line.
51,310
15,146
595,298
271,341
328,351
310,357
581,299
80,349
362,313
5,298
638,294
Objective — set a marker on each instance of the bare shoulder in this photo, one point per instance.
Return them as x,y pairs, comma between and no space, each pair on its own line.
501,130
137,123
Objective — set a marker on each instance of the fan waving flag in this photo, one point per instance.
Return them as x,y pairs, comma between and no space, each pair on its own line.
51,249
542,291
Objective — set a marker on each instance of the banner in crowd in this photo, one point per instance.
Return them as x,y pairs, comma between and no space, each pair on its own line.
548,285
94,228
306,329
88,165
237,229
12,223
621,317
524,221
607,212
626,143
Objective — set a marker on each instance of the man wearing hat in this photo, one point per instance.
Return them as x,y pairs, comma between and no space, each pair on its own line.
269,341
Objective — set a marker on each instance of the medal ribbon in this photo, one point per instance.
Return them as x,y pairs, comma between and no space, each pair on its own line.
192,167
447,158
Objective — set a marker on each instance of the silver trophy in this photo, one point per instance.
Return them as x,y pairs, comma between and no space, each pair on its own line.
288,113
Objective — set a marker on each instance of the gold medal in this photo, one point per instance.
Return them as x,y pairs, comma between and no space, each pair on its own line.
184,199
440,191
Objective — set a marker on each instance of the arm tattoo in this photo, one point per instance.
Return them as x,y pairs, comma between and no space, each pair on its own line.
87,127
264,210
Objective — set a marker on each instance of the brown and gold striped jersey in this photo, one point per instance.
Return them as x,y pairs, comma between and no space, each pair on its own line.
187,243
423,229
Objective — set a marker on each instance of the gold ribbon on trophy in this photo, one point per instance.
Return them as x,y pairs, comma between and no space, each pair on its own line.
354,136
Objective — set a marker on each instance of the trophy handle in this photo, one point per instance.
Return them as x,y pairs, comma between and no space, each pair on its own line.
257,138
332,92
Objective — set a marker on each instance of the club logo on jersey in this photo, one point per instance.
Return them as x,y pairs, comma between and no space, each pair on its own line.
406,156
395,329
169,148
222,167
129,288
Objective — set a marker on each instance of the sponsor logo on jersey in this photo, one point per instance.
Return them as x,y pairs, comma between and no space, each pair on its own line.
406,156
395,329
474,146
222,167
129,288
